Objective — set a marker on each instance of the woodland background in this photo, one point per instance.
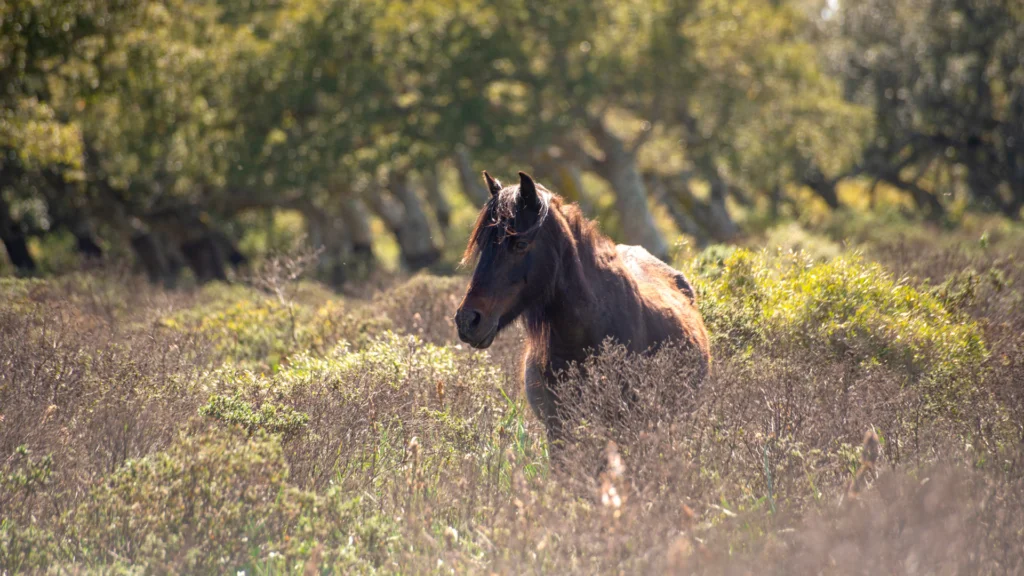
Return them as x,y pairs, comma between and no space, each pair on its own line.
179,134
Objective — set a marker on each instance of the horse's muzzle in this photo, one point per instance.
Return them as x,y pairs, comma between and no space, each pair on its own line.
473,329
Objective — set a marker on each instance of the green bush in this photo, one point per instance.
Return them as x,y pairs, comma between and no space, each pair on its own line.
22,479
27,547
847,305
792,237
267,417
423,306
220,503
251,329
358,409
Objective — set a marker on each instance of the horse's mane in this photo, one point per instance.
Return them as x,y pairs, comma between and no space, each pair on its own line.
584,232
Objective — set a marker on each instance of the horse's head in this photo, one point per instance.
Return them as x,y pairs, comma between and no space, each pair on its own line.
516,260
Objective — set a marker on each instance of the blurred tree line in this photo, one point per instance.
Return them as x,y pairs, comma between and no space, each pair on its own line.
162,128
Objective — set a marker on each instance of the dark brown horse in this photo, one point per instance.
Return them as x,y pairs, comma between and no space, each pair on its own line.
541,260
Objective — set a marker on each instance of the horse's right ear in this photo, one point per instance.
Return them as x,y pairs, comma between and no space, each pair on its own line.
494,186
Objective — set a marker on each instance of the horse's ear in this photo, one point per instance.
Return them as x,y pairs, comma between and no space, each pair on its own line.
528,192
494,186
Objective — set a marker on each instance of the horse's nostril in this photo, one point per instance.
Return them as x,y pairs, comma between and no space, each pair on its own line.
468,320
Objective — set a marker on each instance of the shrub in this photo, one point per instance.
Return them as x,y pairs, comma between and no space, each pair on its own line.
361,407
266,417
331,444
250,329
792,237
423,306
851,307
220,503
28,548
88,391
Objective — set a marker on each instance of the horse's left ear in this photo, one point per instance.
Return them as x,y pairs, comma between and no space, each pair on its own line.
528,192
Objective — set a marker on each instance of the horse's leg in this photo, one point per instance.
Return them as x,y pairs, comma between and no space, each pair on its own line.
544,403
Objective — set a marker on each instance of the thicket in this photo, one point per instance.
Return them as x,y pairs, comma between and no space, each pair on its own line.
230,429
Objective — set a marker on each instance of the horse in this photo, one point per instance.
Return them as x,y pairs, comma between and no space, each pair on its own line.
539,259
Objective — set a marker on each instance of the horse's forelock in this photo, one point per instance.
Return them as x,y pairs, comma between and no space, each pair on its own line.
499,217
507,204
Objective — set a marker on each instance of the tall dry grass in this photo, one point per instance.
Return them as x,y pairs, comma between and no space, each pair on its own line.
219,431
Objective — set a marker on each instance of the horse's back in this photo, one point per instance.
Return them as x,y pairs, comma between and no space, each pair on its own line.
670,302
645,267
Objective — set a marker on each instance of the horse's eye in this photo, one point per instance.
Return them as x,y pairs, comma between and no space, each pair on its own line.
520,245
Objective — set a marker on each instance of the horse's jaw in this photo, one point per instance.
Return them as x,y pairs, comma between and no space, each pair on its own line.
484,342
487,341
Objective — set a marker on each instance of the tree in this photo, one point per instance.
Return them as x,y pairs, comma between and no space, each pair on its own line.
753,109
944,81
45,50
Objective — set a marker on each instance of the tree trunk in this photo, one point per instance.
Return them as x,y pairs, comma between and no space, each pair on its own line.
562,173
717,219
61,197
190,240
402,212
570,185
205,259
620,169
328,234
443,212
710,220
229,249
682,215
472,181
1015,170
87,245
721,224
13,237
159,263
204,253
357,222
822,186
926,201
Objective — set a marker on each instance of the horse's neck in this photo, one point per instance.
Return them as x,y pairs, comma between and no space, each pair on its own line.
569,329
575,320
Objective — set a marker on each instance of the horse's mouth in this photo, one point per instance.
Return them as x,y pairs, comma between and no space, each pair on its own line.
486,341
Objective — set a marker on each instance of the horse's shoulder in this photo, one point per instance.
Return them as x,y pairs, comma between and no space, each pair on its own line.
643,264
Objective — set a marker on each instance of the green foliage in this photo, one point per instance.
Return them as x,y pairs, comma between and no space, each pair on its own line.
23,477
392,359
766,108
47,54
17,290
434,394
218,503
255,330
851,307
423,305
27,548
940,97
793,237
122,119
267,417
40,139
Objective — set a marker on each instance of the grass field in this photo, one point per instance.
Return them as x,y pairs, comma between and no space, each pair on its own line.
865,414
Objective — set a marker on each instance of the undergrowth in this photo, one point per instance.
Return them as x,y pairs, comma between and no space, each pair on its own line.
234,429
